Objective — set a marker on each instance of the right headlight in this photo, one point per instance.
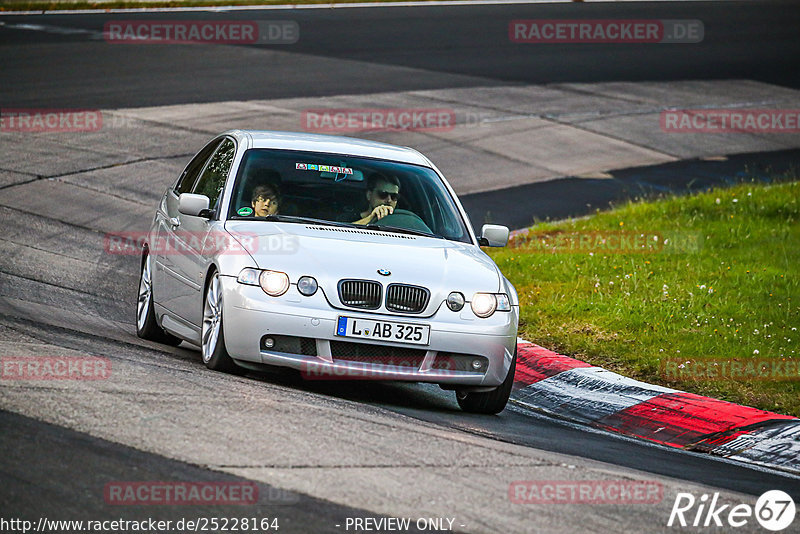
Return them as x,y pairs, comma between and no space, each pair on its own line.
485,304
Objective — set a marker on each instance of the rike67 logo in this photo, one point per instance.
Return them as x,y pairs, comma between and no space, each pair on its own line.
774,510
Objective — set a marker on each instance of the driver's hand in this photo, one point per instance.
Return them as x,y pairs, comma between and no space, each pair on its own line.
381,211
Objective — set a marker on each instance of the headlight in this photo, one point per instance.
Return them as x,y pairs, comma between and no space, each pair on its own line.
455,301
307,285
485,304
274,283
248,276
503,303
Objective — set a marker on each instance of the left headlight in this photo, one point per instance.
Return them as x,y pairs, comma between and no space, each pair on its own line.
485,304
274,283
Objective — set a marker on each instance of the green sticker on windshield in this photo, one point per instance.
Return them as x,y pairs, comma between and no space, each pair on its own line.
245,211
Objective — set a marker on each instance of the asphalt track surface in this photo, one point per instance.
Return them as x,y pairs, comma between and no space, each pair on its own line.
63,492
53,470
352,51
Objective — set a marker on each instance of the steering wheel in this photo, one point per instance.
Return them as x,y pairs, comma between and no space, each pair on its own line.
403,219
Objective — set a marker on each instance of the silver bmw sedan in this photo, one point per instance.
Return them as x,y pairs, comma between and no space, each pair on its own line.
342,258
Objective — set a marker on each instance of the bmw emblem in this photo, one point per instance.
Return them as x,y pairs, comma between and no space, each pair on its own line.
384,272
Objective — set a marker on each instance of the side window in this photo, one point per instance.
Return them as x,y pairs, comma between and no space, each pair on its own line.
189,176
213,179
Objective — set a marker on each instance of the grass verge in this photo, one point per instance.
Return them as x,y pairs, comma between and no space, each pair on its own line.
700,293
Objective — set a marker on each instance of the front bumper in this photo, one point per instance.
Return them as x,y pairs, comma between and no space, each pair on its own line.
249,315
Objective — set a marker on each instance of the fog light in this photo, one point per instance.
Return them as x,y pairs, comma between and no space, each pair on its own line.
455,301
269,343
477,364
307,285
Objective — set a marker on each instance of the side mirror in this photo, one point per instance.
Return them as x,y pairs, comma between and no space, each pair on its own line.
493,235
191,204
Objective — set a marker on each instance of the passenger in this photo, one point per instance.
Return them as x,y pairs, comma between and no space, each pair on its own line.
382,194
266,200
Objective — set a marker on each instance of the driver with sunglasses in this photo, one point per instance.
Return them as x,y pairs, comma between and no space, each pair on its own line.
382,194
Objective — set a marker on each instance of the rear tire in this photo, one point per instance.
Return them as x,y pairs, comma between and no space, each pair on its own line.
215,355
146,325
489,402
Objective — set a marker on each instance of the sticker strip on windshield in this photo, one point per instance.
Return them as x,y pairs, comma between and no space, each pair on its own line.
322,168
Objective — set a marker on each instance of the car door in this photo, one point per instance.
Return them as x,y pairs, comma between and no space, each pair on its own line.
191,266
168,284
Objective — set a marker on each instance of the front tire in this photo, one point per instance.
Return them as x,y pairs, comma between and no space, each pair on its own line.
489,402
215,356
146,325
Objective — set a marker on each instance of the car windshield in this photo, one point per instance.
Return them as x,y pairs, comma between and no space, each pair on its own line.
303,187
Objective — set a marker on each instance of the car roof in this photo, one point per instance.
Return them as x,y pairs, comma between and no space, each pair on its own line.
330,144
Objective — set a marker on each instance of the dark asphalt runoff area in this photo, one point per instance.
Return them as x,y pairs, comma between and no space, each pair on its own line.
352,51
521,206
61,61
58,474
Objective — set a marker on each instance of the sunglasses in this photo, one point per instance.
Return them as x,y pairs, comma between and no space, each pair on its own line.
383,195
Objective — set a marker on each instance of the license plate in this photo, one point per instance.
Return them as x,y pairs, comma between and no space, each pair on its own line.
416,334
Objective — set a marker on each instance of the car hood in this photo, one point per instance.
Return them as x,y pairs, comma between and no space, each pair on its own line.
330,254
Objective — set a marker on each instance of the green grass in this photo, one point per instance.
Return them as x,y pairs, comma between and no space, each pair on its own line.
38,5
724,286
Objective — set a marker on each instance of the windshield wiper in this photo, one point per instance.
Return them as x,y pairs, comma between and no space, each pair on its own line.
400,230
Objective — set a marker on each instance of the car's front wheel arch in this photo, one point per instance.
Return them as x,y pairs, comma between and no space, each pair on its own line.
147,326
209,274
144,254
213,350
